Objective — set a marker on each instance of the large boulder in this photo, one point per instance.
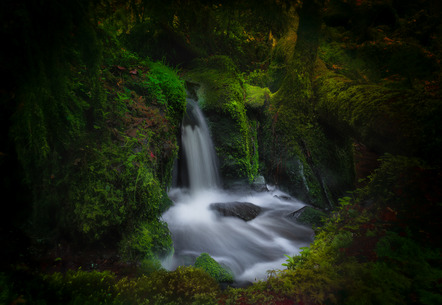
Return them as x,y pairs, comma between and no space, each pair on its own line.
243,210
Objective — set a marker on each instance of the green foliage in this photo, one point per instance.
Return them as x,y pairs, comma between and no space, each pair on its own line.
257,294
412,261
384,180
97,141
185,285
405,270
182,31
356,265
149,241
50,79
344,201
57,108
117,186
155,81
298,260
81,287
342,240
213,268
163,86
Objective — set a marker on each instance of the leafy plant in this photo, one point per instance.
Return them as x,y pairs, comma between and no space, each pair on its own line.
297,260
150,240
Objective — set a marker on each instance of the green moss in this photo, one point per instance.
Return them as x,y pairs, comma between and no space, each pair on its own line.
114,186
310,161
98,146
256,96
213,268
120,180
149,241
221,84
307,158
282,54
169,90
388,120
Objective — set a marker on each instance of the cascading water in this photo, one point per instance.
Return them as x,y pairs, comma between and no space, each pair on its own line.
248,248
198,150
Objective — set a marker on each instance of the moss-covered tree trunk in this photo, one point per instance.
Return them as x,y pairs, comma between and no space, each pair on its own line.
386,120
303,158
296,89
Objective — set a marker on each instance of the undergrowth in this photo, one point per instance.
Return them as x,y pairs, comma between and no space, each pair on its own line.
186,285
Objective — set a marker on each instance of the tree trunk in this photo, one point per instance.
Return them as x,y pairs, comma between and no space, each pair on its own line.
297,131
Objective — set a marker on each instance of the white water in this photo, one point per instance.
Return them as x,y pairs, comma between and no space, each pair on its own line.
250,248
199,151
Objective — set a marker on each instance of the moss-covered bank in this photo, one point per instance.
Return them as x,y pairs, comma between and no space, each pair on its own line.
93,128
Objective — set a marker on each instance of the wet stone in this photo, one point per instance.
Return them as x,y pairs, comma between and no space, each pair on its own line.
243,210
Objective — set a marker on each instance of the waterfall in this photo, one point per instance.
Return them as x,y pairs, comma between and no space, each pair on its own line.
198,150
247,247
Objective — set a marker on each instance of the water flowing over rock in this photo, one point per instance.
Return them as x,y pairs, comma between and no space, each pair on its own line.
296,214
243,228
200,166
244,210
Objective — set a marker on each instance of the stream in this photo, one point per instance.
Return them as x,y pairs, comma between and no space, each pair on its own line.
247,248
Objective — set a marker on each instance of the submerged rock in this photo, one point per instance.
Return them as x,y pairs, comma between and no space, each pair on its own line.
296,214
283,197
244,210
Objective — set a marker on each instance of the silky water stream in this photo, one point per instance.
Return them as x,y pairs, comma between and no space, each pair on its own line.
248,248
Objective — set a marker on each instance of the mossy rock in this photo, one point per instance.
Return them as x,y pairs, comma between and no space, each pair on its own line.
256,96
309,216
214,269
386,120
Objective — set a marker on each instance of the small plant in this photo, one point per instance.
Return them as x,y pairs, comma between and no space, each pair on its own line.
149,241
297,260
344,201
